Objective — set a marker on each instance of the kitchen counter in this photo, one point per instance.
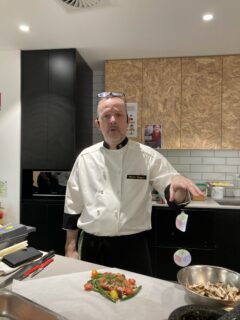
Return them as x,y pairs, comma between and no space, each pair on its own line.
208,203
60,288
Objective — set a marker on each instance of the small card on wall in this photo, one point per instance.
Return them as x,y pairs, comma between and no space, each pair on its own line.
132,119
153,135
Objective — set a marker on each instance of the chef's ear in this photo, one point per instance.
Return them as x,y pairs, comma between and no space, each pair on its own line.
97,123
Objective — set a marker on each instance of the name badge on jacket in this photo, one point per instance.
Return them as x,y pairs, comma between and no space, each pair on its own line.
137,176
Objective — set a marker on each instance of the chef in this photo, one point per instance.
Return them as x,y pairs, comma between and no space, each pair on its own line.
108,194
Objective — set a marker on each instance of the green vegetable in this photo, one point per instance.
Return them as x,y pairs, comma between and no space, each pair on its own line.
114,287
132,295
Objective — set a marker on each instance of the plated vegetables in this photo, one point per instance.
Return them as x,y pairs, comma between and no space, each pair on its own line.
113,286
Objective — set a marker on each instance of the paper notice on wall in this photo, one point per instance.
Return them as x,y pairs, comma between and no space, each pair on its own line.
3,189
132,116
153,135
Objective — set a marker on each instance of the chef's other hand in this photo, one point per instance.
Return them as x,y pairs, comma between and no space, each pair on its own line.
180,188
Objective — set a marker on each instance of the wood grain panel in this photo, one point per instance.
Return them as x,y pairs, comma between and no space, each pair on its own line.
231,103
162,97
126,76
201,103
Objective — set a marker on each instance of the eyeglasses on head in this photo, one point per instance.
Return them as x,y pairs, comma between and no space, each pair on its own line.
105,95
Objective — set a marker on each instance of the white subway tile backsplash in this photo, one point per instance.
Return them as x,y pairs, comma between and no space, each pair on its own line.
98,78
174,160
98,88
195,176
229,192
226,153
219,168
163,152
202,153
201,168
231,176
233,161
210,176
190,160
182,168
214,161
178,153
98,73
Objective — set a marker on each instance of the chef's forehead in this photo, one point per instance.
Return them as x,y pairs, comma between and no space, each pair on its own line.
111,102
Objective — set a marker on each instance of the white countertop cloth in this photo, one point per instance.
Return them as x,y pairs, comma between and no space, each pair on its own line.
65,295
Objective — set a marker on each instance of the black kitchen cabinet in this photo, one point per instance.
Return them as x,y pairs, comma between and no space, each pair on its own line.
56,98
46,216
227,224
210,237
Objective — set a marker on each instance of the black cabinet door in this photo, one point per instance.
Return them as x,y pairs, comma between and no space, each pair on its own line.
47,218
34,100
49,86
228,226
200,230
56,235
211,237
61,109
36,215
199,240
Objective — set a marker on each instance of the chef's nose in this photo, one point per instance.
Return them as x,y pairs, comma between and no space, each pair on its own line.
112,118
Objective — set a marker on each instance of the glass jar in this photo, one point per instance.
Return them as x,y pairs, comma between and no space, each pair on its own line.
203,187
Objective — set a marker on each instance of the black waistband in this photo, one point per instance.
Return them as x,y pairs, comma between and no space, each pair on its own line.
134,236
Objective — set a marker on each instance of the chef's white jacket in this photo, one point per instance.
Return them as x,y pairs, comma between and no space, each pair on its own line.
109,191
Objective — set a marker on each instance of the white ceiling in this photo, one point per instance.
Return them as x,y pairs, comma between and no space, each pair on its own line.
119,29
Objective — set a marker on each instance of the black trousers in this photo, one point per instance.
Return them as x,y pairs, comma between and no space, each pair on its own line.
130,252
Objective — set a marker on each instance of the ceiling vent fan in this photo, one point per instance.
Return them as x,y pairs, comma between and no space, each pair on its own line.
81,3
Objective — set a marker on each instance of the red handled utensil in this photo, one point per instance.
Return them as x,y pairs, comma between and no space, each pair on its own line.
43,266
39,267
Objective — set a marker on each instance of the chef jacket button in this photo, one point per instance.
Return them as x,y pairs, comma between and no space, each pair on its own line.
101,191
98,212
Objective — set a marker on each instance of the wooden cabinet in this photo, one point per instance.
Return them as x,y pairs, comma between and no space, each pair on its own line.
56,105
201,103
126,76
47,217
210,238
162,98
231,103
196,99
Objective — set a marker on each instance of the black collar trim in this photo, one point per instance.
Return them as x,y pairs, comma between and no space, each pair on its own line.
119,146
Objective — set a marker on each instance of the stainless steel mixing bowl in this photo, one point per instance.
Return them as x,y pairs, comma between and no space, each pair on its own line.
196,274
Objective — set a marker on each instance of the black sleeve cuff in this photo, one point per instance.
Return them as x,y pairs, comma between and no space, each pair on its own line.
173,205
70,221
